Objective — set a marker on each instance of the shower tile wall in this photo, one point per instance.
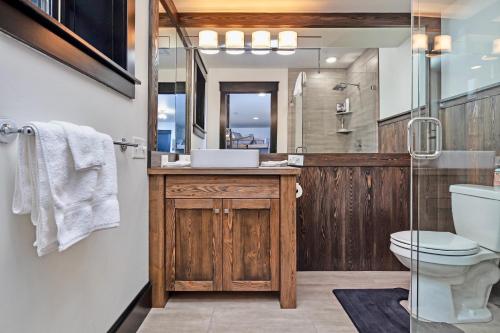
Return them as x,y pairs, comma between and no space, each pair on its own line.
364,103
320,121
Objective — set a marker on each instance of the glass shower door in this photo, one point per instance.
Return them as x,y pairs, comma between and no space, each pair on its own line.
454,141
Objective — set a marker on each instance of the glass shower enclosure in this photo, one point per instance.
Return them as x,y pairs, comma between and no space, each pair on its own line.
454,140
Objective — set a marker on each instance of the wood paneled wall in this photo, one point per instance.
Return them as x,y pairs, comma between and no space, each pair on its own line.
470,123
346,215
392,133
350,206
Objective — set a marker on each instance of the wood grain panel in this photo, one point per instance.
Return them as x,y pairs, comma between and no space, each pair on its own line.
153,66
294,20
347,159
251,245
251,241
469,124
222,187
170,244
346,215
392,134
194,244
157,240
288,245
194,286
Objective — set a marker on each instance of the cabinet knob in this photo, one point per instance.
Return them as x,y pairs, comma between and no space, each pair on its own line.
226,210
216,211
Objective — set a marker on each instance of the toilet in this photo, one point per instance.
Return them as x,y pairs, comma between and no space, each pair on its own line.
455,271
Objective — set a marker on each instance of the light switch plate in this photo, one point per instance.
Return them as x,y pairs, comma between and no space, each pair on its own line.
296,160
140,151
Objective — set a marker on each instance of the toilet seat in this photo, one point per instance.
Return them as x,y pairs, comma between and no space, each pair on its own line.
435,242
440,248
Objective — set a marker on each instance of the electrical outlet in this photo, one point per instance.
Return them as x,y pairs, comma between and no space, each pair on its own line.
296,160
140,151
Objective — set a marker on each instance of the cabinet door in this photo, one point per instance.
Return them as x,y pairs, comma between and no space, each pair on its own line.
194,244
251,244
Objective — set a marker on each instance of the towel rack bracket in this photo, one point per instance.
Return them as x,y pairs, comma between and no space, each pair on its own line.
9,129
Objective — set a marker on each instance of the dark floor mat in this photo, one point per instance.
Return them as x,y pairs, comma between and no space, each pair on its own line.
379,311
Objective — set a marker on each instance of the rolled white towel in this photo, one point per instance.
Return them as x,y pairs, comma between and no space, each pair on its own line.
271,164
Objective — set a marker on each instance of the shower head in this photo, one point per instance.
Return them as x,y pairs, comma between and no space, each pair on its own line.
343,85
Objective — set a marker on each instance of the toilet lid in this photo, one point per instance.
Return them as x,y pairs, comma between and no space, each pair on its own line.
436,242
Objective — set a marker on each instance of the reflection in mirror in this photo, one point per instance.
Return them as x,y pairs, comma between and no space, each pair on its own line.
334,90
171,93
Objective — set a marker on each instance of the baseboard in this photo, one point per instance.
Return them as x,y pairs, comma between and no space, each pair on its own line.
133,316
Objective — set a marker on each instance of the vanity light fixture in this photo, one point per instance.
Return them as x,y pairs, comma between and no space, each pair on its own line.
420,42
287,40
496,46
235,40
261,40
331,60
208,39
442,44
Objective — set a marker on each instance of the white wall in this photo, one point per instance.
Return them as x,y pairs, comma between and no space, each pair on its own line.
395,68
216,75
85,288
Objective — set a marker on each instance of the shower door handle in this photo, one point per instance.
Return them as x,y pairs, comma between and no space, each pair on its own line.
438,136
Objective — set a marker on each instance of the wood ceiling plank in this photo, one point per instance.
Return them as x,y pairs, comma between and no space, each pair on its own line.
293,20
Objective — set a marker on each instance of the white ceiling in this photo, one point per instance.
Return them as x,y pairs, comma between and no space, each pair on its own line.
291,6
344,43
246,107
301,59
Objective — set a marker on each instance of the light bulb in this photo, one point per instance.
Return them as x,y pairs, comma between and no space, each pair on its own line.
287,42
235,40
208,39
261,40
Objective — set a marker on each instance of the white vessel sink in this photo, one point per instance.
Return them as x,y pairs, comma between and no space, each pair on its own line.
224,158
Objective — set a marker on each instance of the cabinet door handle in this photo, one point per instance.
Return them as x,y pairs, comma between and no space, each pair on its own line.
216,211
226,210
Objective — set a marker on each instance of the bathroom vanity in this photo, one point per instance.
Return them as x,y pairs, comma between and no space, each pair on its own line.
222,230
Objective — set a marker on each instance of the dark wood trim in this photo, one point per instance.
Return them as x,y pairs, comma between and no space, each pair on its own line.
172,87
171,19
227,88
347,160
249,87
198,64
26,23
170,12
395,118
153,65
133,316
294,20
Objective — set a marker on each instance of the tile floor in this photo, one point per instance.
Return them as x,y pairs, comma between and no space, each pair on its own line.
317,309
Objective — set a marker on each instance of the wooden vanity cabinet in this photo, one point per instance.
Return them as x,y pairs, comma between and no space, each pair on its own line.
223,230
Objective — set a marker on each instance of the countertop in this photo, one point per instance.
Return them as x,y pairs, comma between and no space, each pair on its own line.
225,171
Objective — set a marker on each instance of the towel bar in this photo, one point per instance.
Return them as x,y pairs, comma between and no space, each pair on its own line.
8,129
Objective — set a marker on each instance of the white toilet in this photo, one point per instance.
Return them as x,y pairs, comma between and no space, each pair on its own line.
455,272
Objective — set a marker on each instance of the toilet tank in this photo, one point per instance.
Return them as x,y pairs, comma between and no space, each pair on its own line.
476,214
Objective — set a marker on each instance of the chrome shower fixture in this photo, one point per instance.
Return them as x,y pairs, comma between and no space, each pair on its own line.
343,85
